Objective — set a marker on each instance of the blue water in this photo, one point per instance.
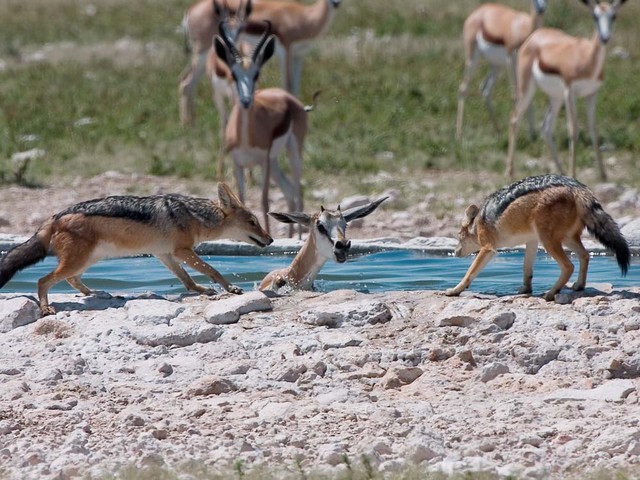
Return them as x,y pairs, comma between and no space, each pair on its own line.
385,271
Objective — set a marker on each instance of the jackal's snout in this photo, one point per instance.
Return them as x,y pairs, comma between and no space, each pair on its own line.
262,240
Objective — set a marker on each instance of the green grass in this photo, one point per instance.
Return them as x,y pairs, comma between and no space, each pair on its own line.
363,469
388,71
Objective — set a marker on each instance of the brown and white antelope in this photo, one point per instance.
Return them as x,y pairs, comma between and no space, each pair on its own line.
220,75
327,239
296,26
200,25
263,123
495,32
565,68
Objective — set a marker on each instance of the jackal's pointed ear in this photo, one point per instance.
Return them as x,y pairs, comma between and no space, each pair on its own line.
362,211
292,217
228,199
470,215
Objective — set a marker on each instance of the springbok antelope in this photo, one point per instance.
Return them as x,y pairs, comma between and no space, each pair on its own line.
296,26
263,123
495,32
220,75
327,239
564,67
200,25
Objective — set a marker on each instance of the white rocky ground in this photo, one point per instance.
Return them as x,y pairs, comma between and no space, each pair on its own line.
509,385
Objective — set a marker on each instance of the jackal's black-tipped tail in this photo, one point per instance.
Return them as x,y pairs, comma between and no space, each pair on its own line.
22,256
605,229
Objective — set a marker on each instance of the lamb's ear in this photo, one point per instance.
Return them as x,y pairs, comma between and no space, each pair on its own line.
292,217
228,199
362,211
470,215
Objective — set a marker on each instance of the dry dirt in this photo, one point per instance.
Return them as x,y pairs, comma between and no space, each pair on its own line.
420,209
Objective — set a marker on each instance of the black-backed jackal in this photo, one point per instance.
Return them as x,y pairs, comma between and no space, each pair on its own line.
550,209
166,226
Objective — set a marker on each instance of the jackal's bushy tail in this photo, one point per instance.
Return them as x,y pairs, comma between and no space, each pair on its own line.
605,229
22,256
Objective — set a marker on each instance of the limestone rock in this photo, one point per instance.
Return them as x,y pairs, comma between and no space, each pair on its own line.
399,376
211,385
17,312
352,313
229,310
612,391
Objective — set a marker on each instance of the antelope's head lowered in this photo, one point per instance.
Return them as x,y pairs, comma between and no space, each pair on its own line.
234,19
327,228
539,6
604,13
245,70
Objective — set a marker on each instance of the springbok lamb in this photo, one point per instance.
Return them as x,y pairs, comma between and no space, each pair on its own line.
327,239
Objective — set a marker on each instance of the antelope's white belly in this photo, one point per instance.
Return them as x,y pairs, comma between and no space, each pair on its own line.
584,88
247,157
495,54
551,84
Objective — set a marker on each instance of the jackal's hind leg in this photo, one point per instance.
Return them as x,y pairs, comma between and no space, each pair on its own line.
169,262
566,268
69,266
575,245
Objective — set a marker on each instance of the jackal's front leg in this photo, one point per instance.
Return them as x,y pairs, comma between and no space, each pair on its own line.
529,257
183,276
476,267
194,261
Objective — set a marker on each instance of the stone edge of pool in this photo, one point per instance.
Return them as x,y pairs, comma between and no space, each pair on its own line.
432,245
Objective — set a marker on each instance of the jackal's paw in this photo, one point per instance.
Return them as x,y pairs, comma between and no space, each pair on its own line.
549,296
578,287
452,292
524,290
48,310
234,289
